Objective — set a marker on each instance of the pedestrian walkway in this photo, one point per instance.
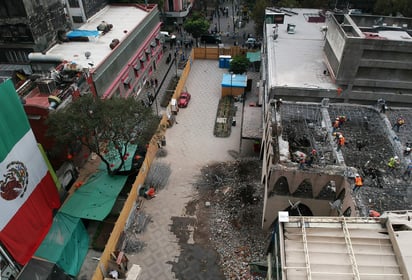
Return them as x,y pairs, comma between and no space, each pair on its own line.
190,145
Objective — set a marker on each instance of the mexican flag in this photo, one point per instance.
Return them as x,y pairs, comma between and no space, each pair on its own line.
28,194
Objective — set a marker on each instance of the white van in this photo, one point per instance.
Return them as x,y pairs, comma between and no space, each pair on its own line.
165,36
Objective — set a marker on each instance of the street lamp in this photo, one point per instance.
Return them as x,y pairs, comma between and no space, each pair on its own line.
176,63
231,80
233,18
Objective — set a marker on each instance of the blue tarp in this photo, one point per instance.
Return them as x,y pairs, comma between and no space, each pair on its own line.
82,33
234,80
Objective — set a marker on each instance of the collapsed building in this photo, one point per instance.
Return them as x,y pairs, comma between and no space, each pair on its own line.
316,67
298,69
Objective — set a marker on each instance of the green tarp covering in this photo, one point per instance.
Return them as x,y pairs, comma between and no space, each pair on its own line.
95,199
253,56
66,244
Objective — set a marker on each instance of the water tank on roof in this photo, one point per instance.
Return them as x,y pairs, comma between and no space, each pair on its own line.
39,57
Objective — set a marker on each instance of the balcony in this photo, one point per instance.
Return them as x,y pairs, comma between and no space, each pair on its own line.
180,14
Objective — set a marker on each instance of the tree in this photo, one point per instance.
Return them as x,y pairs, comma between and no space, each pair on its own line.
239,64
105,127
393,7
258,15
196,25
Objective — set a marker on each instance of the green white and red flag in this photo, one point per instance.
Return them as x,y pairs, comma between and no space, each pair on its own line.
28,193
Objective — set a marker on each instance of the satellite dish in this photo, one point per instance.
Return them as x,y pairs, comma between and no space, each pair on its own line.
54,102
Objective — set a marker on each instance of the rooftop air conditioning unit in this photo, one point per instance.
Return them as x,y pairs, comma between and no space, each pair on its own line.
46,86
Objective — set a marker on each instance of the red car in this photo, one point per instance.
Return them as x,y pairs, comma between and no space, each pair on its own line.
184,99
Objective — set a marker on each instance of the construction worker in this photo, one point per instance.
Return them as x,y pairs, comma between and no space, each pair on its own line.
341,142
393,163
382,105
335,125
342,120
279,103
336,135
311,158
302,161
407,174
374,214
399,122
358,183
150,193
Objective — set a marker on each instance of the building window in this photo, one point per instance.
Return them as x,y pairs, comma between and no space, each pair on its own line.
74,4
126,83
142,60
77,19
136,69
148,53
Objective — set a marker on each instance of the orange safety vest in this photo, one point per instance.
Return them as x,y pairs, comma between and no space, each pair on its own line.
342,141
358,181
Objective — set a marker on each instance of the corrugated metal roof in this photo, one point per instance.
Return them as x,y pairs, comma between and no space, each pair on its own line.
342,248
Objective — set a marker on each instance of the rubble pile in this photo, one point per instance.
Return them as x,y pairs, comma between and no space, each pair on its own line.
232,197
370,143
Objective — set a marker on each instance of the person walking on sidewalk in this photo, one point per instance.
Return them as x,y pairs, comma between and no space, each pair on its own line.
358,183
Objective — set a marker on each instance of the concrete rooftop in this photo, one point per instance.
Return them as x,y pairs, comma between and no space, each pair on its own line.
296,60
123,18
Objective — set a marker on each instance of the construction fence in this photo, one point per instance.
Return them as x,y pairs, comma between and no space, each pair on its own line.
129,206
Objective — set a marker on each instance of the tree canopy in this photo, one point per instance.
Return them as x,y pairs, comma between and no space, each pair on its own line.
196,25
239,64
258,15
105,127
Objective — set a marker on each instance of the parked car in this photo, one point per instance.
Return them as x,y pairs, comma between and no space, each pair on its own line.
250,42
210,39
184,99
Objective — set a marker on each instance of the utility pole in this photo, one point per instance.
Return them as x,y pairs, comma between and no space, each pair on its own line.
233,18
176,64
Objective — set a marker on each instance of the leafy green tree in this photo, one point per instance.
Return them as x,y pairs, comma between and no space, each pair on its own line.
239,64
196,25
393,7
258,15
288,4
160,3
105,127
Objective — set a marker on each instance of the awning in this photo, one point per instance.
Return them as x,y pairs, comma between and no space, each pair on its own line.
66,244
253,56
